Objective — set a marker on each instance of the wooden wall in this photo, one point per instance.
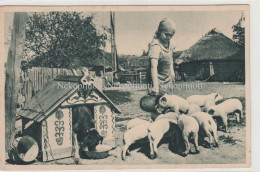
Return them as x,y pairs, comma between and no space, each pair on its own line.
224,70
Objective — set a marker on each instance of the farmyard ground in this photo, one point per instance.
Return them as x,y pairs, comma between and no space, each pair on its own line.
232,145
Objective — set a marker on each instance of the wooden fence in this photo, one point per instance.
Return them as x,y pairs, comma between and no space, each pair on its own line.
140,77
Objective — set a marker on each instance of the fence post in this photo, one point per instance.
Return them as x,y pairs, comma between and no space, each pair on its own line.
13,69
140,77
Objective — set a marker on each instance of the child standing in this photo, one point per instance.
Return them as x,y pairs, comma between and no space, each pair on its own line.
161,73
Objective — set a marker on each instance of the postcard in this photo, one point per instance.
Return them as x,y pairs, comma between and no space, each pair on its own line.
125,87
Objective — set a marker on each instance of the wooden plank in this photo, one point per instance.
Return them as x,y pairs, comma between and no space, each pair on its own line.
45,99
51,96
42,78
52,73
68,78
28,85
26,90
38,79
32,104
35,72
57,103
34,79
130,74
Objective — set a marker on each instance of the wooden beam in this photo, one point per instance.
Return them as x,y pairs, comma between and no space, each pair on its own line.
13,69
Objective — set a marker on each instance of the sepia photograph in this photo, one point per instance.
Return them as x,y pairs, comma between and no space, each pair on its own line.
125,87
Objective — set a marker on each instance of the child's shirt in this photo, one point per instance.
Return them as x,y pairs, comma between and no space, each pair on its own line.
165,61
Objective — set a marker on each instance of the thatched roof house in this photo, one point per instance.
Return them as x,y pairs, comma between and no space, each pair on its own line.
214,57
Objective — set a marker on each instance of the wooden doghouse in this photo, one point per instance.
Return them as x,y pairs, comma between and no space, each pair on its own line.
47,117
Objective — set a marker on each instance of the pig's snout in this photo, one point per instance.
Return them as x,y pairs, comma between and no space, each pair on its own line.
159,109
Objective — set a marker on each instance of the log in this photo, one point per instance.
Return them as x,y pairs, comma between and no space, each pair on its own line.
13,69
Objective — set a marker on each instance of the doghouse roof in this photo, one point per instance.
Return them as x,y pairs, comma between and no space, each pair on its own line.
51,96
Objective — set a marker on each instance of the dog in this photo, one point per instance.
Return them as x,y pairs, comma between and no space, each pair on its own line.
84,131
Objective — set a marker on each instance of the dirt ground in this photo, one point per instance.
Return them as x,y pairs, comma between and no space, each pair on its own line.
232,145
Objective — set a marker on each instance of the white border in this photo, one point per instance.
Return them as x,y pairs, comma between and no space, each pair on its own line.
254,57
123,2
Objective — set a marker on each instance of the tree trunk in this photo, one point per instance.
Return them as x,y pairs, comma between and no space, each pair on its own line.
13,69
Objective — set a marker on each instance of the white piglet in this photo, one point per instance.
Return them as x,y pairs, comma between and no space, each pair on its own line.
156,132
134,134
172,102
208,103
207,126
190,128
170,115
135,122
223,109
193,108
200,99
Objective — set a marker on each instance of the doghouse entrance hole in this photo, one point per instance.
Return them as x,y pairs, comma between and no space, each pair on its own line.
89,106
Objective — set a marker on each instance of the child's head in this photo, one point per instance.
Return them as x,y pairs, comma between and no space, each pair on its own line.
166,29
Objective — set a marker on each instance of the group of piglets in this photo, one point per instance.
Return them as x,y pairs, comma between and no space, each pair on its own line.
193,117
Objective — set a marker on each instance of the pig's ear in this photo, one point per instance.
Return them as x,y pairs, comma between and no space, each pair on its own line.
163,100
211,111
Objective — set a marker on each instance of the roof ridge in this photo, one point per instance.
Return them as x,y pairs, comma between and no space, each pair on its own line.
212,38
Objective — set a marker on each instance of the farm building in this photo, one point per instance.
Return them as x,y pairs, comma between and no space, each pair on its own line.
47,117
214,57
136,68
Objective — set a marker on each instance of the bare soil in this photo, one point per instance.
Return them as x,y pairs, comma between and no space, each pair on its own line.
232,145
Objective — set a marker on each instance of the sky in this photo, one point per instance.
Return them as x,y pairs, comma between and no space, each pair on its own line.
135,30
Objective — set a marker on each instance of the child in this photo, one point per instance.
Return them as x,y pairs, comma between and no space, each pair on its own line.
160,73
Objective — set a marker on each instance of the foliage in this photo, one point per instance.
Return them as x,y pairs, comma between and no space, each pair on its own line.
62,39
131,62
239,31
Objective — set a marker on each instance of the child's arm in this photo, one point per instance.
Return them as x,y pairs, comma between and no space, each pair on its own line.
173,44
154,55
154,76
172,71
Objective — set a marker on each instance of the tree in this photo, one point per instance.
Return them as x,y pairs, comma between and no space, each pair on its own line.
62,39
239,31
13,69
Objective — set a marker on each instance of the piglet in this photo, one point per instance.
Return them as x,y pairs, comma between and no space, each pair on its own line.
132,135
208,127
190,128
156,132
200,99
223,109
174,102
